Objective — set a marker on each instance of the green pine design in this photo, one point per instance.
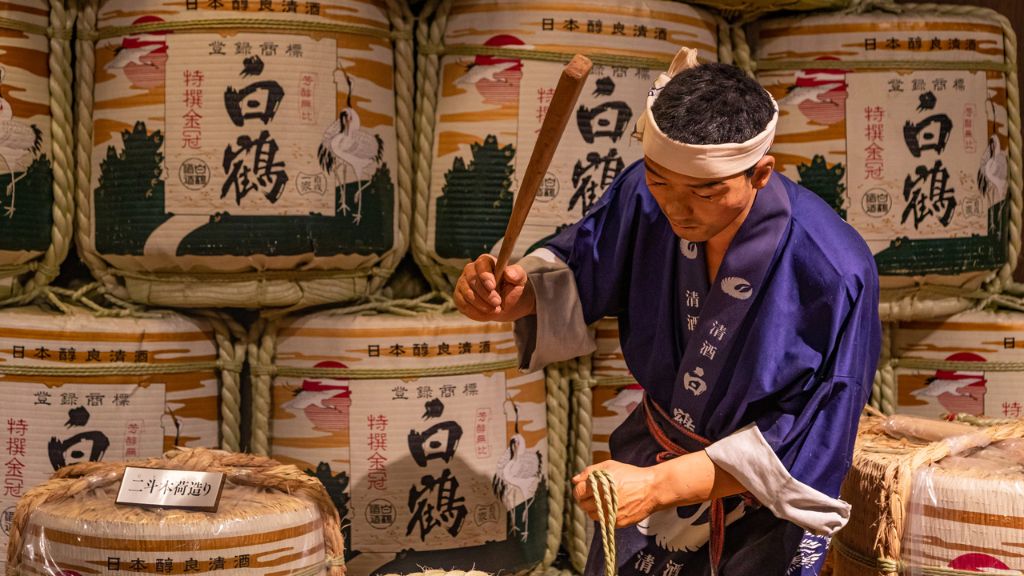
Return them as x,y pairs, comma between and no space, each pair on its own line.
337,488
949,255
315,234
825,182
129,201
475,201
29,227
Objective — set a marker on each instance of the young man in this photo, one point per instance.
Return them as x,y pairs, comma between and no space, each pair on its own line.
748,311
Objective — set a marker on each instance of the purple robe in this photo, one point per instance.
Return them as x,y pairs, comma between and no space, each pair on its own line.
786,339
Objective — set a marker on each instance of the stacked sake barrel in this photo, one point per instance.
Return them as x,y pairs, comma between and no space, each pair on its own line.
939,507
246,153
435,448
970,363
35,146
486,75
748,10
603,394
268,519
908,124
80,388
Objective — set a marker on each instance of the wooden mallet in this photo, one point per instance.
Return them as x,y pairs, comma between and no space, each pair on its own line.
561,108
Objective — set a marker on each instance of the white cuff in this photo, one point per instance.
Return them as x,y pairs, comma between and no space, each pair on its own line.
558,331
750,459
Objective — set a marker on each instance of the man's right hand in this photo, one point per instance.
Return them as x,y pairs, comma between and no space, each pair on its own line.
479,297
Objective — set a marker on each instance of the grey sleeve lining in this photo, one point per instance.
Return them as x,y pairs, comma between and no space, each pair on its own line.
558,331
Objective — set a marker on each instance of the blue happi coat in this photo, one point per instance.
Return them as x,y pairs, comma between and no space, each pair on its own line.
786,337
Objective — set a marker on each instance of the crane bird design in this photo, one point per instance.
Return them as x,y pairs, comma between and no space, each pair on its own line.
517,477
993,170
19,145
346,145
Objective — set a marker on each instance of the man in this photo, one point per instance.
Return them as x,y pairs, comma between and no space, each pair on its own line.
748,311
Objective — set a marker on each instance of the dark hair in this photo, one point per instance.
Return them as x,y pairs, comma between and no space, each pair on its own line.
712,104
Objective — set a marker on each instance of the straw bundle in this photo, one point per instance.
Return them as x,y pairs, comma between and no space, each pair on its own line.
897,497
271,518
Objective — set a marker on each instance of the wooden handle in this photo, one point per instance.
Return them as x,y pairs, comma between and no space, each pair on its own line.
563,102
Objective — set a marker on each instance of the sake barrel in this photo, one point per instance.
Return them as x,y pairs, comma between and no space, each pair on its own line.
969,363
35,146
493,85
967,513
903,123
245,153
78,388
748,10
436,450
604,395
269,519
963,521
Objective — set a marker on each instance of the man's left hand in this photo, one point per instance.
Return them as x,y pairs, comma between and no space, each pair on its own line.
634,487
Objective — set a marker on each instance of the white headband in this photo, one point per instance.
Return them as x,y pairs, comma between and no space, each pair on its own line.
699,161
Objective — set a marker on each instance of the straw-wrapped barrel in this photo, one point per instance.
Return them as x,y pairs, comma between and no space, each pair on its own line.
269,519
908,124
969,363
77,388
487,73
436,450
36,196
911,516
245,153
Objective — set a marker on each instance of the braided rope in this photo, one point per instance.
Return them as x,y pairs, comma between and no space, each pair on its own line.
248,23
607,501
428,74
883,65
239,469
262,347
557,401
598,58
934,364
741,51
724,39
126,369
375,374
85,71
61,22
401,19
884,390
746,11
20,26
583,415
911,307
231,348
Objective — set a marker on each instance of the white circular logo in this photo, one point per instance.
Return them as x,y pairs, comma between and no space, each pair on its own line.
737,287
689,249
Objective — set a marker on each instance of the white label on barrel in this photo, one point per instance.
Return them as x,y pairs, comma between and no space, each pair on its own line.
245,119
425,454
595,147
43,428
916,144
189,489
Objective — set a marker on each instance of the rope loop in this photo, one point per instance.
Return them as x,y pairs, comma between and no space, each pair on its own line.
607,501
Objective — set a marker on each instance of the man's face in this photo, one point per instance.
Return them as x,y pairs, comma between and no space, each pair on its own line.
699,208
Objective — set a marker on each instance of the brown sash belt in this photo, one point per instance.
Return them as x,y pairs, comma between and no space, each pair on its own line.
670,450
